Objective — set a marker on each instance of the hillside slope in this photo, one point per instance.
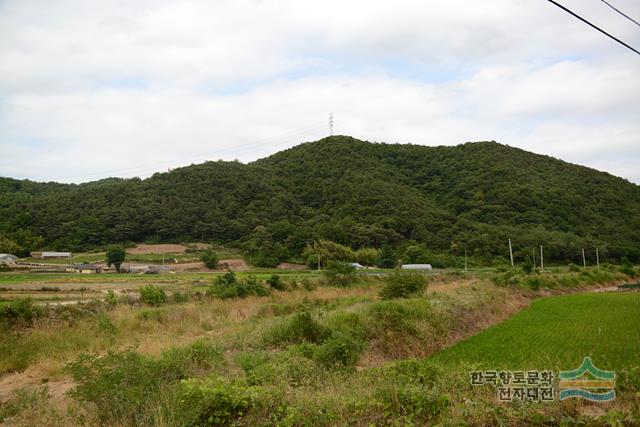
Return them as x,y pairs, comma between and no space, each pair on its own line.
474,195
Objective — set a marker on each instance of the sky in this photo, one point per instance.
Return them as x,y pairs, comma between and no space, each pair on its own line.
121,88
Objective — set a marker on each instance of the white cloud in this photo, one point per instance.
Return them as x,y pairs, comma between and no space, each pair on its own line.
135,87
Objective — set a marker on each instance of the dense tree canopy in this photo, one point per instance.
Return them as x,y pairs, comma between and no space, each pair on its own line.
416,199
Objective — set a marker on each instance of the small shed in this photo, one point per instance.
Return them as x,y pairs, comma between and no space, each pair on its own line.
8,259
419,267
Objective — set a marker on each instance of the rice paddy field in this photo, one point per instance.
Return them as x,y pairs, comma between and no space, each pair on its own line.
556,333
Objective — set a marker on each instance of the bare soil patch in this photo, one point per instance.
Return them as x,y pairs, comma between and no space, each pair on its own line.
291,266
165,248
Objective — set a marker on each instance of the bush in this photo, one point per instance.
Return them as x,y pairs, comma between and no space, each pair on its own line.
573,267
120,385
340,349
20,310
276,283
212,403
340,273
210,259
302,327
527,267
228,286
153,295
112,298
403,285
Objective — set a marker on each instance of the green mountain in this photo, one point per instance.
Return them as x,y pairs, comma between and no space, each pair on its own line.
474,195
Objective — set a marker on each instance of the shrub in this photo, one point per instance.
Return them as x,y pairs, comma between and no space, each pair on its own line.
302,327
527,267
403,285
228,286
340,273
276,283
573,267
210,259
340,349
212,403
120,385
153,295
112,298
20,310
180,297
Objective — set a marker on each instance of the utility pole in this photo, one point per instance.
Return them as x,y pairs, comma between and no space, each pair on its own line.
584,260
541,259
533,252
465,259
511,253
330,124
597,258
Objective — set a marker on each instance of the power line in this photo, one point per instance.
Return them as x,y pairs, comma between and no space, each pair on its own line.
621,13
593,26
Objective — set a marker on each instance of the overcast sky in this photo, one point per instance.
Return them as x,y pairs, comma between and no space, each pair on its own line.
128,88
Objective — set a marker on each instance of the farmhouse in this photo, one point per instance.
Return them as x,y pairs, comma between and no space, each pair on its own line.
422,267
85,268
8,259
51,254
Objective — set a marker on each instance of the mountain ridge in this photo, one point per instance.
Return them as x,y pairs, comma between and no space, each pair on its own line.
347,190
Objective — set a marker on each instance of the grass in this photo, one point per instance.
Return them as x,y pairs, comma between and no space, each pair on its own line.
556,333
314,355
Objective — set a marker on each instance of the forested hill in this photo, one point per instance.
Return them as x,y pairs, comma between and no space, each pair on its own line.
474,195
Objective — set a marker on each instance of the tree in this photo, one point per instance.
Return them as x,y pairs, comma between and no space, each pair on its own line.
387,258
115,256
210,259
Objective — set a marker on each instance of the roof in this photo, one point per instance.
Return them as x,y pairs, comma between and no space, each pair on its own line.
8,256
416,267
53,254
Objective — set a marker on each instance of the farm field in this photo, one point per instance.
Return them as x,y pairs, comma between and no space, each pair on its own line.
309,352
556,333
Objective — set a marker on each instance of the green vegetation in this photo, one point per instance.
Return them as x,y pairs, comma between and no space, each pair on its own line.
340,273
229,286
556,333
115,256
210,259
152,295
354,193
403,285
320,356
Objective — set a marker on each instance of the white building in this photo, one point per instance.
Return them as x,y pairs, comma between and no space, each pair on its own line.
422,267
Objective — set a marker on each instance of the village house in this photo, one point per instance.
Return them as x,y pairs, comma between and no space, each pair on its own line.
8,259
